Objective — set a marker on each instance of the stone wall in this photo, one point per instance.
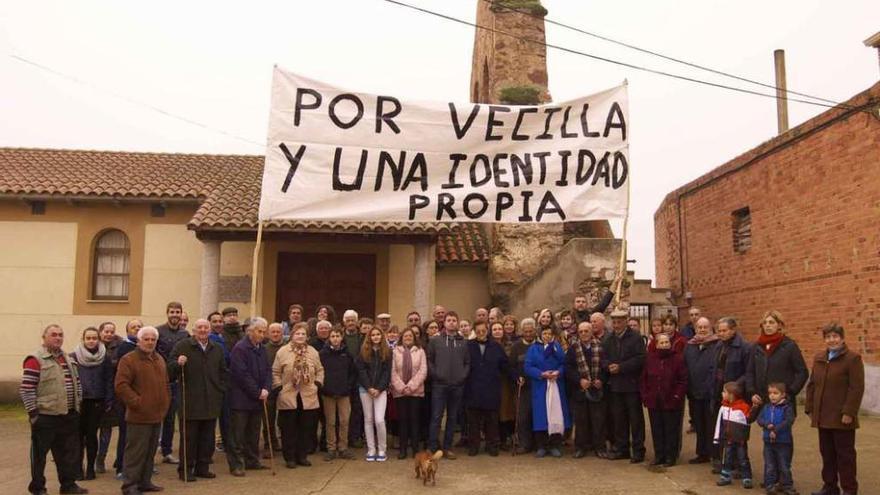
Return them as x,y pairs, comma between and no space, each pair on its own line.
581,266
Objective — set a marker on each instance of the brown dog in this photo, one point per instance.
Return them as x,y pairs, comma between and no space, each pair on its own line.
426,466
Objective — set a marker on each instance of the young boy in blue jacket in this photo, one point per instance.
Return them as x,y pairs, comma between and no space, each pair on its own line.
777,419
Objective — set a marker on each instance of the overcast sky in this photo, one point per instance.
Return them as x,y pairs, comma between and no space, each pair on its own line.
211,63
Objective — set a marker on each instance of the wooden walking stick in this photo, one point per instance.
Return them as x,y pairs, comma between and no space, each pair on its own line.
183,423
515,443
269,430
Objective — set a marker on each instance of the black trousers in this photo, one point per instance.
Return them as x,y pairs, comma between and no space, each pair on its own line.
199,445
704,426
838,450
485,421
629,424
244,435
666,433
91,412
140,449
297,432
409,421
589,425
58,434
524,433
355,432
320,441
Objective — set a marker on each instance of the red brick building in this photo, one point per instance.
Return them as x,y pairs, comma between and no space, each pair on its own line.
792,225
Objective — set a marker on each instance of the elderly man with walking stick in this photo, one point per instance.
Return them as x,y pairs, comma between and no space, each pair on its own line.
250,382
200,367
142,385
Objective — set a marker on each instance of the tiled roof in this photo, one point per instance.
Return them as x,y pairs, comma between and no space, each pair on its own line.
467,243
227,188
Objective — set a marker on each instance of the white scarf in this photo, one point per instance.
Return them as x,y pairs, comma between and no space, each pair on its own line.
555,419
86,358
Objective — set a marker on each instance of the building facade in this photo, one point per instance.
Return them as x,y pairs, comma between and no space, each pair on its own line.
791,225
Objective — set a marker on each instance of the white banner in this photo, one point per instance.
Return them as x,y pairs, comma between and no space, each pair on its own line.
337,155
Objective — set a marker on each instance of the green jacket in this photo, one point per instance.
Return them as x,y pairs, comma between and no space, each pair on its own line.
51,394
206,376
353,343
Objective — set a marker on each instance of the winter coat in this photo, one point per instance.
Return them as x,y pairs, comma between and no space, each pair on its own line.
218,339
687,331
836,388
573,377
353,342
272,349
663,384
700,363
734,423
679,343
584,315
487,371
738,352
282,376
448,359
537,362
142,385
317,344
419,372
168,338
375,373
340,373
206,376
627,351
781,416
97,381
232,334
785,365
249,373
517,359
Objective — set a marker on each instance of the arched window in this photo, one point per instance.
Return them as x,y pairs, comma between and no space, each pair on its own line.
112,266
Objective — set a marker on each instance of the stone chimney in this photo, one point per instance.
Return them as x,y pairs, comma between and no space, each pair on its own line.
513,71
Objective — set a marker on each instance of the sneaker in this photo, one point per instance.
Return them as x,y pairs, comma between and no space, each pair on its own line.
219,447
330,455
540,453
170,459
448,454
120,476
723,481
381,457
555,453
747,483
100,468
370,457
345,454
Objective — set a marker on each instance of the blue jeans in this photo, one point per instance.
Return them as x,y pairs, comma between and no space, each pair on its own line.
167,438
777,464
444,398
736,456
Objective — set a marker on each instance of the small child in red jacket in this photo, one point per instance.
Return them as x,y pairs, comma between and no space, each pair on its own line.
732,433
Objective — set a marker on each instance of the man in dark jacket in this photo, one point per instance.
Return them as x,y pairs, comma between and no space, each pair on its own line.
626,357
488,367
202,363
250,382
586,383
232,329
582,310
689,329
170,333
448,367
700,359
524,435
355,330
731,358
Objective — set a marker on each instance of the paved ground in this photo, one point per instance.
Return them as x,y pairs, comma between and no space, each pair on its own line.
482,474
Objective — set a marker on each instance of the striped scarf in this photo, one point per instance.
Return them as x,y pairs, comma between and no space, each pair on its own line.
596,352
583,368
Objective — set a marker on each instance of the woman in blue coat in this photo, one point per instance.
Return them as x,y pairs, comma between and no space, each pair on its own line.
545,367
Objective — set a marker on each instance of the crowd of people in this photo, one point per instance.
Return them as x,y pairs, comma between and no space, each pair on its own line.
529,385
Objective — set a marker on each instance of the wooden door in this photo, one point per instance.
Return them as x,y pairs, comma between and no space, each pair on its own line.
344,281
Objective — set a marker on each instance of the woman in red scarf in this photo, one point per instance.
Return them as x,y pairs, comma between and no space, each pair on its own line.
775,358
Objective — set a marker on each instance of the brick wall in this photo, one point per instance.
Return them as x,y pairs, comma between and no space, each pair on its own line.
814,199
